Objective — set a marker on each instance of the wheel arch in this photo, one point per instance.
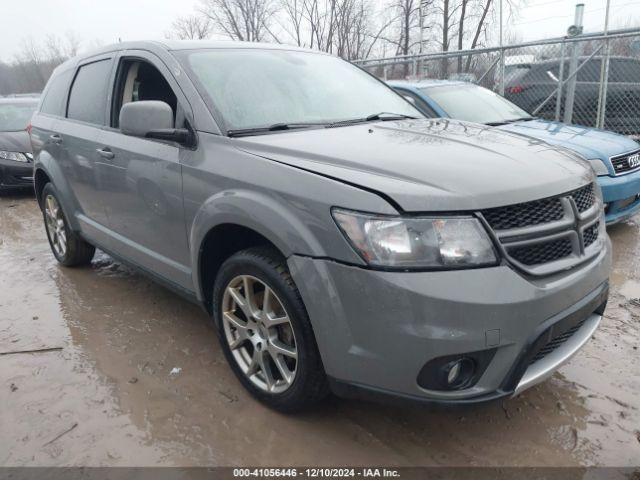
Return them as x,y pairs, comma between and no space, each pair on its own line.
47,170
232,221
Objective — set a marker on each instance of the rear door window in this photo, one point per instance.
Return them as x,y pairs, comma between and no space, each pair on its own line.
88,96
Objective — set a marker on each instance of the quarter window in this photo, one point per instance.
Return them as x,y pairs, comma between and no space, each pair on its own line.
53,103
87,100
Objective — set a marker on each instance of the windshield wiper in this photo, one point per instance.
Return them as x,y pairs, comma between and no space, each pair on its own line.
521,119
511,120
381,116
276,127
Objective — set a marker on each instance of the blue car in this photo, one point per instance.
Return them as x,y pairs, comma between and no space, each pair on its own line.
615,158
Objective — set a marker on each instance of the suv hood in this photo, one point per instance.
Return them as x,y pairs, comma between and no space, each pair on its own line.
15,142
429,165
591,143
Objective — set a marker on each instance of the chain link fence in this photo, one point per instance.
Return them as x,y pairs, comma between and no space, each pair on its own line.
591,80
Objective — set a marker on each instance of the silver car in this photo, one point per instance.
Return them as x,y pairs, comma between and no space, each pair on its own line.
339,241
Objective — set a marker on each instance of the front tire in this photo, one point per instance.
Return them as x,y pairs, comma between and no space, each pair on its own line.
69,249
265,332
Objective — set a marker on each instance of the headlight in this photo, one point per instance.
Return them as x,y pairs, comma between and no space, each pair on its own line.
15,156
420,242
599,167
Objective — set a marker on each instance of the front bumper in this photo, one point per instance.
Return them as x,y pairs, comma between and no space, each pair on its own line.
376,330
617,193
15,175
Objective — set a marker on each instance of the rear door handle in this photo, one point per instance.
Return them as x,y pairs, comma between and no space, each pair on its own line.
105,153
55,138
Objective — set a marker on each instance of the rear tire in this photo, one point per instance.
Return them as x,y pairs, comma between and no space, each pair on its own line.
67,246
269,344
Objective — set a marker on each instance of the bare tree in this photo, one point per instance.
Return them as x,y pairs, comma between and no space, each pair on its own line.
35,61
294,20
463,13
245,20
192,27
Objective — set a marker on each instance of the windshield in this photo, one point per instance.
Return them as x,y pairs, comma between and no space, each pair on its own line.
15,116
259,88
475,104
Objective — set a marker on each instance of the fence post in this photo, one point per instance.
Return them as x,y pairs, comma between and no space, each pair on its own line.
501,75
604,74
571,86
573,64
560,80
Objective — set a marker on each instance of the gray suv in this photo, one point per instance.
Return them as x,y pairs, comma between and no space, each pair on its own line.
339,241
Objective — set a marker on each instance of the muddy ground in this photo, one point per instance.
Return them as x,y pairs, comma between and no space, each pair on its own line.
104,394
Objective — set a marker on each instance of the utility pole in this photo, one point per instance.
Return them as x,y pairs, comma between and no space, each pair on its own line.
574,30
604,73
501,86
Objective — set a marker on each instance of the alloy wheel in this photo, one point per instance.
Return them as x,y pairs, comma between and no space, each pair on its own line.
55,225
259,333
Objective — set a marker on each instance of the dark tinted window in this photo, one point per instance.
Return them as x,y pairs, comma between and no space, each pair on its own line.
590,72
88,97
622,70
56,93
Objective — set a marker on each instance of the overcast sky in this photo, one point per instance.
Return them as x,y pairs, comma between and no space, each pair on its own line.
107,21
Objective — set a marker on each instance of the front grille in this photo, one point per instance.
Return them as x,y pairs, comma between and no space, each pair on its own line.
547,230
626,163
584,197
524,214
542,252
556,342
590,234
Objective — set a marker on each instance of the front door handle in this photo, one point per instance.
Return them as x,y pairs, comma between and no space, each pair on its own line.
105,153
55,138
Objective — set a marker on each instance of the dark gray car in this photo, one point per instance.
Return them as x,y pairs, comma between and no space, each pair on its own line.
339,241
16,161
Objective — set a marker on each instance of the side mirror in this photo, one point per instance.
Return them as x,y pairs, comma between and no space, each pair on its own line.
151,119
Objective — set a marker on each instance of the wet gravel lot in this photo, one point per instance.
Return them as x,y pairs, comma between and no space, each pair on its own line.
103,393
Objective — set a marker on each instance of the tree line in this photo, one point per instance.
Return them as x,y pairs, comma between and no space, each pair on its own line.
351,29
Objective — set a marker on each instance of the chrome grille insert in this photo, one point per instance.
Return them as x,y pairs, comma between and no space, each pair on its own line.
626,163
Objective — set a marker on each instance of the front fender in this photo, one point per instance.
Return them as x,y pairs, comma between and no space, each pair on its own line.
274,219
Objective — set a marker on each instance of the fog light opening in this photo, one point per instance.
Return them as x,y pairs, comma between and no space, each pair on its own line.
459,372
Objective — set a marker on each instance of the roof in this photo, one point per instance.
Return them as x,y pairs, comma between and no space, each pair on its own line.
426,83
177,45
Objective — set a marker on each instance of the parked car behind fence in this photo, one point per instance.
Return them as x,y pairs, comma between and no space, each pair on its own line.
614,157
530,84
